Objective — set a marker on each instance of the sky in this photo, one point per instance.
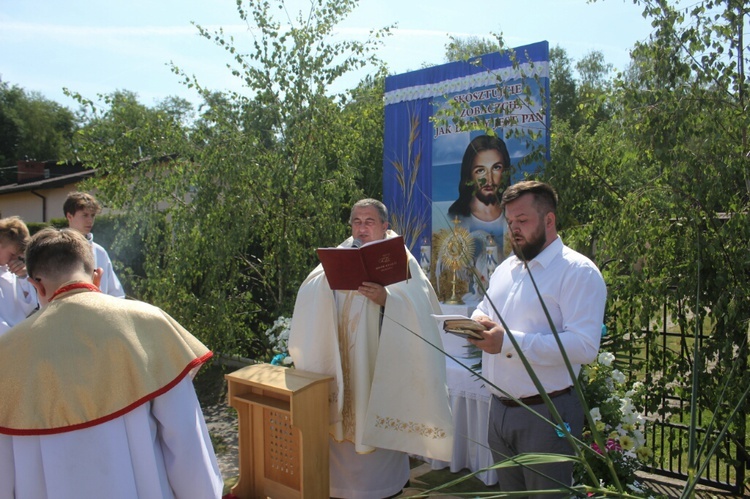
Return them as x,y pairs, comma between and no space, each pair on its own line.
94,47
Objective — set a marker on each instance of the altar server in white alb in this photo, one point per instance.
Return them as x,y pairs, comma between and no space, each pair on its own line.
17,296
97,393
81,209
389,397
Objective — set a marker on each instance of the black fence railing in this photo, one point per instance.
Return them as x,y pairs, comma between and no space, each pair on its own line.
669,428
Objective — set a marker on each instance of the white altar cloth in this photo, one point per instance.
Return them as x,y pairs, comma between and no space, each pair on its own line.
470,403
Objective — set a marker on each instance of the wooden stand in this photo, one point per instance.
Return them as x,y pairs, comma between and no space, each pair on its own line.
283,432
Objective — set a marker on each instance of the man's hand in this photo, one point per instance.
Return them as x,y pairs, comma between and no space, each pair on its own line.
374,292
494,335
18,267
97,276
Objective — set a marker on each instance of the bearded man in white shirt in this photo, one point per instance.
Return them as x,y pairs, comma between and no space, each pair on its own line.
574,293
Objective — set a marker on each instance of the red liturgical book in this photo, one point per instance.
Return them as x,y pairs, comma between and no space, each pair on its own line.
383,262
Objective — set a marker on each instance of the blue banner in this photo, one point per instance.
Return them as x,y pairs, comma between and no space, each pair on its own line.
455,136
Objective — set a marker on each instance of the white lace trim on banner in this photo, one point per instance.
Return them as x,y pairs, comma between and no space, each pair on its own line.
538,69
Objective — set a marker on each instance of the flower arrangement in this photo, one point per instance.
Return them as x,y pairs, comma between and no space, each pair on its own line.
617,416
278,337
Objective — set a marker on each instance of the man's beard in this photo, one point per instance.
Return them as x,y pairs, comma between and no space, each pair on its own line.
487,199
532,247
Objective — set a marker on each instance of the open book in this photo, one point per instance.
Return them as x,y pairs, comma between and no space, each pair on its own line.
461,326
383,261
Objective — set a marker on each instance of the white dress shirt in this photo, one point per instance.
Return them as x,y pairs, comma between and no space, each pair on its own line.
574,293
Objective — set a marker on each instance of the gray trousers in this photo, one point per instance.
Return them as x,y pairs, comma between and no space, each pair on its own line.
515,430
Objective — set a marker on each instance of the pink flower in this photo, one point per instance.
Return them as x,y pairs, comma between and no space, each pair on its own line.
613,445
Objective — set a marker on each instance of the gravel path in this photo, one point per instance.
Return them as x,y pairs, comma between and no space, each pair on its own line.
221,419
222,426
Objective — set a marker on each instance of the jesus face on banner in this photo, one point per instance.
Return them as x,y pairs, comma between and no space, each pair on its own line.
485,169
487,173
487,177
484,175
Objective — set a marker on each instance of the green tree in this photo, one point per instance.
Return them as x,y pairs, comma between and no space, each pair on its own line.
127,123
364,116
593,71
10,129
562,87
32,127
464,48
659,193
233,206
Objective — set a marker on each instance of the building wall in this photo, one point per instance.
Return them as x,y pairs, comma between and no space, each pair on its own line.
31,207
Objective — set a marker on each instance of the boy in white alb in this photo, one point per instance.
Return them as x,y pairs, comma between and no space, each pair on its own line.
81,209
17,296
97,392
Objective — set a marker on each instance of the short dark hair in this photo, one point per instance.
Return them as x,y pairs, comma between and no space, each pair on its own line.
14,231
55,253
77,201
364,203
466,188
545,195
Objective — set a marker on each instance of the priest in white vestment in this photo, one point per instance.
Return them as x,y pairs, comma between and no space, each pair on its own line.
97,394
383,349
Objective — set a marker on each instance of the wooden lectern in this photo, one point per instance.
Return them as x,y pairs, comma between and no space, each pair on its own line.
283,432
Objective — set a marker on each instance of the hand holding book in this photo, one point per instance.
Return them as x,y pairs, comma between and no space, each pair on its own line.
461,326
383,262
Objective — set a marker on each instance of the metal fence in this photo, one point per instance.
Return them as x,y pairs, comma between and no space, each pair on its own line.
669,432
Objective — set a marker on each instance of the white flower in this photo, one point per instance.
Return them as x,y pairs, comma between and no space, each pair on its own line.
596,414
618,376
626,405
288,360
606,358
640,439
278,337
629,417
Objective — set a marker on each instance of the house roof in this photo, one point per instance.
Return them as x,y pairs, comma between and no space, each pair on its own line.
47,183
